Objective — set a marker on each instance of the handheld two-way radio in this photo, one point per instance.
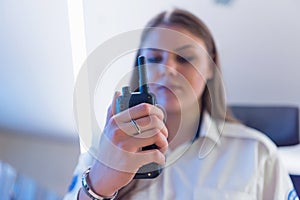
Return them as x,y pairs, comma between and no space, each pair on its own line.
129,99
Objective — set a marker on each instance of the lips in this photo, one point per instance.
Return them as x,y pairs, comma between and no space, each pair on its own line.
170,88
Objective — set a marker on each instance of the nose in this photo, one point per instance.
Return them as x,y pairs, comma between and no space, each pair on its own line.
169,64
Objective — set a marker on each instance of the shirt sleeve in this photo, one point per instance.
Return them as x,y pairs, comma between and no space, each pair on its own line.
275,180
85,161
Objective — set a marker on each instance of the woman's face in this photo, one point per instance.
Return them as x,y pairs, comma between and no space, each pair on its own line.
177,67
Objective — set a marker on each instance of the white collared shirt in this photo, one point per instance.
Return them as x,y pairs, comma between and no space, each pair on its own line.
241,163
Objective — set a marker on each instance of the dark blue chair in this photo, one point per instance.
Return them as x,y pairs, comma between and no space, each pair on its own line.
279,123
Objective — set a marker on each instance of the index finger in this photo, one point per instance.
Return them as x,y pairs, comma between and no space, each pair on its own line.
139,111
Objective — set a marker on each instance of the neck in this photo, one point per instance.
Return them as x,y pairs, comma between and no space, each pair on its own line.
182,126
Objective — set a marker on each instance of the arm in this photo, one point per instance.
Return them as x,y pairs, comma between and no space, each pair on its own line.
120,154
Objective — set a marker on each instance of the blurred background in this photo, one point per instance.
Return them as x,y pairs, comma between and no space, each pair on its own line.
43,45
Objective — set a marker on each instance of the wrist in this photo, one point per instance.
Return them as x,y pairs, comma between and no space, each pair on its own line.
89,191
100,183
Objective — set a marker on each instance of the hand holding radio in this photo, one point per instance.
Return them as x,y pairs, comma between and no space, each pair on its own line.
136,128
128,100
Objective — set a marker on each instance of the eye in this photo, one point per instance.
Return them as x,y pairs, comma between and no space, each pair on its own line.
154,59
184,60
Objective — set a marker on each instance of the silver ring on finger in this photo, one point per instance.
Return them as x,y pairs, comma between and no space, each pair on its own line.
138,129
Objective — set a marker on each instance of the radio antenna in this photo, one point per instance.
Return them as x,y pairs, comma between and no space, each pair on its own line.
143,87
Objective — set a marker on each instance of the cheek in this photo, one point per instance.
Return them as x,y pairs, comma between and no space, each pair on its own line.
196,82
152,72
198,86
152,79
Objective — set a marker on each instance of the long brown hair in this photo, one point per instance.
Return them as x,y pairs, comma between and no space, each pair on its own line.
215,96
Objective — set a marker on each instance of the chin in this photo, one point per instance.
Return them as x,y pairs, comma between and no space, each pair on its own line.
174,106
173,103
170,105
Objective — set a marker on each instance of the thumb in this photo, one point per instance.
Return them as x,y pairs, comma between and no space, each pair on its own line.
112,108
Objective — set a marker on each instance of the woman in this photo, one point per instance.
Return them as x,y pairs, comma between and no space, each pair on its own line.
206,154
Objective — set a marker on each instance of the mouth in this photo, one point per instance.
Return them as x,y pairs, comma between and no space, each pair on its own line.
169,88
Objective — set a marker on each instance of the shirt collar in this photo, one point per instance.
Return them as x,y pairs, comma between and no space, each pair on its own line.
210,128
206,139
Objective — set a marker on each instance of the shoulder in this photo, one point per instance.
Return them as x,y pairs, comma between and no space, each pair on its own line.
238,131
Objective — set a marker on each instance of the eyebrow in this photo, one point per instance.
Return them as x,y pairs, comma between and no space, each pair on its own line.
152,49
185,47
178,49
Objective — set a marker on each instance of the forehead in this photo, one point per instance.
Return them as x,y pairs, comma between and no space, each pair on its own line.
172,39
